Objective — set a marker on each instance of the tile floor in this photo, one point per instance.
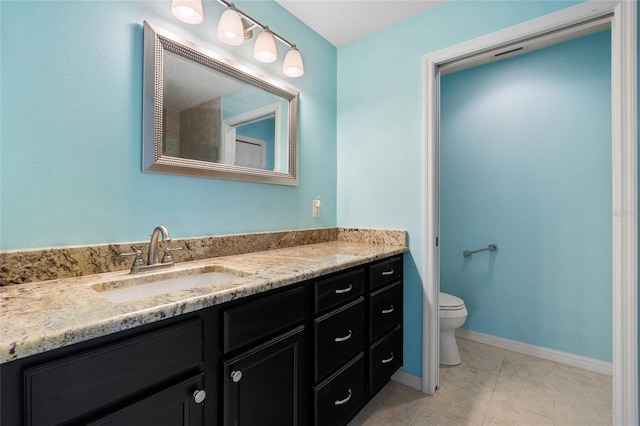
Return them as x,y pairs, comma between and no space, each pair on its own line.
494,386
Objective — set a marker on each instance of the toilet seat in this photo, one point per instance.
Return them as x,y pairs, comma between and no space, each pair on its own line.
449,302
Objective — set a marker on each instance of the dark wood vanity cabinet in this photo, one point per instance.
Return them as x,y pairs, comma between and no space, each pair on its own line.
312,353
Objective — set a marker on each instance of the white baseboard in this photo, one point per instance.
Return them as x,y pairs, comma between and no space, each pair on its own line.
585,363
407,379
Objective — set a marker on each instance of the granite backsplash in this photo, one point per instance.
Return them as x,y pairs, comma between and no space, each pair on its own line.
24,266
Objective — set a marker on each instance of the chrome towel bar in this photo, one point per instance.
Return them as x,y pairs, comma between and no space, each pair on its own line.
490,247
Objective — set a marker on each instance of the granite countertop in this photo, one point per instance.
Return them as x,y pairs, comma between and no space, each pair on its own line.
41,316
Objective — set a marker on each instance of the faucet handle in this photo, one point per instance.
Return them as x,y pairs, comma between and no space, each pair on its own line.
166,258
138,260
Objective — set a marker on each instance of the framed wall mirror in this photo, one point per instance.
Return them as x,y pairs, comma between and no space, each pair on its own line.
204,115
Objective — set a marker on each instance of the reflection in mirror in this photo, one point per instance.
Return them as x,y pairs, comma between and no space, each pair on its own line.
206,117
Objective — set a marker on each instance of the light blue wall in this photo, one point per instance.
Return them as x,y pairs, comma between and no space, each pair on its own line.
525,162
71,129
380,127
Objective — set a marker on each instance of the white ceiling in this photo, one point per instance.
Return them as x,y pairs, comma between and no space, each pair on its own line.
343,21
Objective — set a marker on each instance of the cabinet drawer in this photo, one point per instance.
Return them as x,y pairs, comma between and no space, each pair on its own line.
59,391
338,289
338,336
260,318
385,310
385,357
337,399
385,272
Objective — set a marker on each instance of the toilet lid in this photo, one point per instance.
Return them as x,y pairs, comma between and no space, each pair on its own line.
450,302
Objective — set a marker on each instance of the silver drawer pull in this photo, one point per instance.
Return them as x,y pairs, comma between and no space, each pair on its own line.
344,290
389,310
388,360
343,401
343,338
385,273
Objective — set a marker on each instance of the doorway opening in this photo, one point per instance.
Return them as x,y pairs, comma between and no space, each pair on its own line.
621,18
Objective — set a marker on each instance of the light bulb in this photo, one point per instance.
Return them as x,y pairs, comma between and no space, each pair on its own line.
265,47
230,29
292,65
189,11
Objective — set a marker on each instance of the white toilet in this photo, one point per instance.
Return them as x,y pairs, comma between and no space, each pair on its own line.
453,313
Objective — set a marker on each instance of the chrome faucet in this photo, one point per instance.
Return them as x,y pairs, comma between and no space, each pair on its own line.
153,261
154,248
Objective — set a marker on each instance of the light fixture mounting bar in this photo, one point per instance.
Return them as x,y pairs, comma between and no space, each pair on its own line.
255,22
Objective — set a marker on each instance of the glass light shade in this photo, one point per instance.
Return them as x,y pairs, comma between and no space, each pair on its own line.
189,11
265,48
230,29
292,65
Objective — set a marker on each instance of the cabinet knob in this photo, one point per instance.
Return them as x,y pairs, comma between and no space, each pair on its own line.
199,396
236,376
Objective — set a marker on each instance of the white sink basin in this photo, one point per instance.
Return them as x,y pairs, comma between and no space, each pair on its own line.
136,288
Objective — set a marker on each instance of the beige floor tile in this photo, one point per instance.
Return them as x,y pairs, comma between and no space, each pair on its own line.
441,412
395,404
528,369
582,413
572,383
367,419
530,396
478,355
465,391
506,413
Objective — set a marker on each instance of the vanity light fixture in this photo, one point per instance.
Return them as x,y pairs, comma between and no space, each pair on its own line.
230,28
292,65
265,48
236,26
189,11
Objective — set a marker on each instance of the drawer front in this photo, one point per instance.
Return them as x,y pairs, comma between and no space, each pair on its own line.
261,318
338,336
58,391
385,272
385,310
338,289
385,357
337,399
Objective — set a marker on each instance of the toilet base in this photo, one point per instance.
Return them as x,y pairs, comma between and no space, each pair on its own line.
449,354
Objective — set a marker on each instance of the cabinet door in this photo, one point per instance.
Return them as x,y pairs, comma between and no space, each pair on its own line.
78,386
177,405
265,385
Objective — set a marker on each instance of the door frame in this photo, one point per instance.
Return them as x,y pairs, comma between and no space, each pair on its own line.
624,218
